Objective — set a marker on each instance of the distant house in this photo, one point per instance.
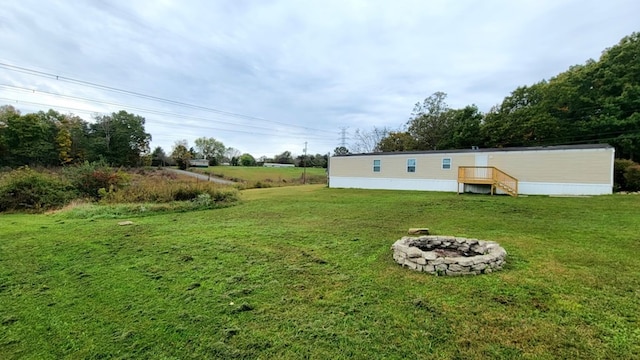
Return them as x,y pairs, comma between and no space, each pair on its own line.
277,165
552,170
199,162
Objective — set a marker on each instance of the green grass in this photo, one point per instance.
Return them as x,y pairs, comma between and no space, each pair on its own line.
306,272
257,176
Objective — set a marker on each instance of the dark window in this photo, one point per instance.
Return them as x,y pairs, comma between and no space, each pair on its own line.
446,163
411,165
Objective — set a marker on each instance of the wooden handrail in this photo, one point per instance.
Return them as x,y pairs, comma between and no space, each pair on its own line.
488,175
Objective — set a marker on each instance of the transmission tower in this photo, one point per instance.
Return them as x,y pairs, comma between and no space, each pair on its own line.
343,136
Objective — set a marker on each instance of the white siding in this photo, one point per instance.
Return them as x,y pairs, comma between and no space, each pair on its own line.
393,183
543,188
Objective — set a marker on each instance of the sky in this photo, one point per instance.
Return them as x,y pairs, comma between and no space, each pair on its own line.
268,76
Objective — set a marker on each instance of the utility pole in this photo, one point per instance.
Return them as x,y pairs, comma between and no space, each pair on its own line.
304,164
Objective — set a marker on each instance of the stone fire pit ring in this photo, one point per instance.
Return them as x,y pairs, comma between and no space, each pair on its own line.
449,255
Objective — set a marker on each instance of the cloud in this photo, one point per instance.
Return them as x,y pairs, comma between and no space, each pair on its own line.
300,70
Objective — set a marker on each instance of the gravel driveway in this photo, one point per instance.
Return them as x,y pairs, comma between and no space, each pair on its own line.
201,176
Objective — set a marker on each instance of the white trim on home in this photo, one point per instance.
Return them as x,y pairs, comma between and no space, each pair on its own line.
393,183
524,188
542,188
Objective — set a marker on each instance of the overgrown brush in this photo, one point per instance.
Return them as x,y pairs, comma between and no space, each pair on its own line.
36,191
164,187
95,179
626,175
28,190
632,177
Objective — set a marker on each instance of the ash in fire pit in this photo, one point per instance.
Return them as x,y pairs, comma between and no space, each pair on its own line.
448,255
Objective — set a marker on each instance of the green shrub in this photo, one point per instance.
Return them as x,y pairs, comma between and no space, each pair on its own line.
225,195
96,179
197,193
262,185
186,193
632,178
27,190
619,169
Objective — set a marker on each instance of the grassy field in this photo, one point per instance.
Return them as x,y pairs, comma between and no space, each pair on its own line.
263,177
306,272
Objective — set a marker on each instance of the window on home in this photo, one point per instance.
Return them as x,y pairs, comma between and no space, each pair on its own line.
446,163
376,165
411,165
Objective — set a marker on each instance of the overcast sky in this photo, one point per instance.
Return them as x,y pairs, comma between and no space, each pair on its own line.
267,76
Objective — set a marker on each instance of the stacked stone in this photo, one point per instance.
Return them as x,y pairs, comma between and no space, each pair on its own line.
434,254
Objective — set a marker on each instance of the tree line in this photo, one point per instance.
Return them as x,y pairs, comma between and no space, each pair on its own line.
53,139
119,139
597,102
215,152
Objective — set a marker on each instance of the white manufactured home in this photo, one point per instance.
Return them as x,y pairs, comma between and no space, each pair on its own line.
277,165
199,162
552,170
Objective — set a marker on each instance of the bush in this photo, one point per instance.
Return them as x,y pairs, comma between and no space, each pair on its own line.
632,178
27,190
619,168
210,194
262,185
96,179
186,193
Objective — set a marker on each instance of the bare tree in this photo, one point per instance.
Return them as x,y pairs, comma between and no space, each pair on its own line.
231,153
367,141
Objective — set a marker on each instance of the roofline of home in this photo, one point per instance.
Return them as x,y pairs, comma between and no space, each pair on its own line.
456,151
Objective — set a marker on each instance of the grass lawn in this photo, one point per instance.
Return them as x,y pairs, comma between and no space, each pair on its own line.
267,176
306,272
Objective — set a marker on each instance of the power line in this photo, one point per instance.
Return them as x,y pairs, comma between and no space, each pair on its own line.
153,111
49,75
160,121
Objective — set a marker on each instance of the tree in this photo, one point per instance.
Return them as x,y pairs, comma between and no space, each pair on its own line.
63,142
523,119
78,129
181,154
119,138
591,103
464,129
211,149
263,159
284,158
30,140
71,139
340,150
397,141
430,122
317,160
158,157
7,114
231,153
247,160
367,141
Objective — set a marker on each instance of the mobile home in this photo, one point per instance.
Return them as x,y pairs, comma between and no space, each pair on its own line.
199,162
552,170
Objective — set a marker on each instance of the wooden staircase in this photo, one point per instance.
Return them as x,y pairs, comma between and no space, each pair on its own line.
490,175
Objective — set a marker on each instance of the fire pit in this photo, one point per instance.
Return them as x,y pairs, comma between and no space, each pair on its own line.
448,255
